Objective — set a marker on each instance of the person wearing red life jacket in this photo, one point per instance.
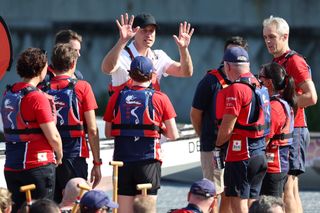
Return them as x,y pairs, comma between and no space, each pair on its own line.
142,30
283,100
76,104
137,116
244,123
203,118
33,143
201,198
276,37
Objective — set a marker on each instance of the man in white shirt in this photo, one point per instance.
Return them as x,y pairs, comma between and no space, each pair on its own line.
142,30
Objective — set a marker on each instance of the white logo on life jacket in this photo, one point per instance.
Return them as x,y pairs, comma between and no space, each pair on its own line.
42,156
136,121
130,99
270,157
10,108
236,145
59,106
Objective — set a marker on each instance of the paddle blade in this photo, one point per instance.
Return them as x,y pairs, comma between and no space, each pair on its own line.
5,48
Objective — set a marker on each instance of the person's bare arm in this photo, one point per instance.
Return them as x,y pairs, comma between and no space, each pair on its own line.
126,33
51,133
225,129
196,119
171,130
309,95
184,68
93,136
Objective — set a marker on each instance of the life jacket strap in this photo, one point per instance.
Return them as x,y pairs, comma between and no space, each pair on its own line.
23,131
70,127
253,128
136,126
282,136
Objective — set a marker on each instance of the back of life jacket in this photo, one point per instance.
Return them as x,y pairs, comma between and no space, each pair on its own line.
135,114
258,123
16,129
69,124
286,136
155,84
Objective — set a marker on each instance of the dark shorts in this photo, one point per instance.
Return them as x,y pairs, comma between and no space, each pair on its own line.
273,184
70,168
43,177
244,178
133,173
298,151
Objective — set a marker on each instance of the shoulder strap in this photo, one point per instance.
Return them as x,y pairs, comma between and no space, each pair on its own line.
217,73
129,52
72,83
290,54
24,91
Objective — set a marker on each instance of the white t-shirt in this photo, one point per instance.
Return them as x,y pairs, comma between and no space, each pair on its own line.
161,61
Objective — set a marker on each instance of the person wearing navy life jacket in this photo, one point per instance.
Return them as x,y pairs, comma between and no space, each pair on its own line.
276,37
76,104
244,115
142,30
203,118
137,116
283,101
201,198
33,143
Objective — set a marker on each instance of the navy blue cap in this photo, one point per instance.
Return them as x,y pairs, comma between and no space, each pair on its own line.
96,199
204,188
143,20
143,64
236,55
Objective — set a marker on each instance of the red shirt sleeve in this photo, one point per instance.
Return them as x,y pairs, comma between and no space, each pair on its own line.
298,69
85,96
108,115
164,107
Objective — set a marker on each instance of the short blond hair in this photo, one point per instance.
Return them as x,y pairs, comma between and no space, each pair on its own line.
281,25
5,199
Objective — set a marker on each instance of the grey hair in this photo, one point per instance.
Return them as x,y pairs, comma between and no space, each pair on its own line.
281,24
265,204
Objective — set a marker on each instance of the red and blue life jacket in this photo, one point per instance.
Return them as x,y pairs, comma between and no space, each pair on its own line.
16,129
69,124
135,114
258,124
286,136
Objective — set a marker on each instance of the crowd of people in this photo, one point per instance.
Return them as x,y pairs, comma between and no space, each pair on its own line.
253,143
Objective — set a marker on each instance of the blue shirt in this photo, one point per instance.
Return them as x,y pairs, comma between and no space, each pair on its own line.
205,100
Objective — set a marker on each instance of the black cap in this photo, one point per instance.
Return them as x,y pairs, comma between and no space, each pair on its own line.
143,20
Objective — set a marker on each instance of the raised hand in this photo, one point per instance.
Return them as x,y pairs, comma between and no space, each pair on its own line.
125,27
185,33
